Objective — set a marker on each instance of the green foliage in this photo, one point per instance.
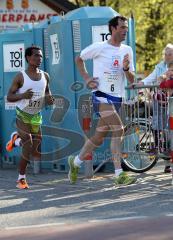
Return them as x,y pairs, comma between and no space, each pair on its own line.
153,20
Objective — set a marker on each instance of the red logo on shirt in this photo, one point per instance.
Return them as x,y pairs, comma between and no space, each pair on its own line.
116,63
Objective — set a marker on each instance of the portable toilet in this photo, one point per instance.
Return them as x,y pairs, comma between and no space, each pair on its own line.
12,54
12,49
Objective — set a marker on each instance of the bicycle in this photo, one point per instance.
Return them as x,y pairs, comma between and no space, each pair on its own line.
140,151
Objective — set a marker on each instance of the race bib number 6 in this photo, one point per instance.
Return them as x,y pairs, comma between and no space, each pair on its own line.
109,83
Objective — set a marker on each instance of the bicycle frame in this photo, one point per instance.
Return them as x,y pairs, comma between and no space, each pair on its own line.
158,130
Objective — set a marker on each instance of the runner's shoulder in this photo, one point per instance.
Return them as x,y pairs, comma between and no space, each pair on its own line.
18,79
127,47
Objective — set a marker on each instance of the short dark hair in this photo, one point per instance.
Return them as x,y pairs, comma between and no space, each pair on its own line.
114,22
29,50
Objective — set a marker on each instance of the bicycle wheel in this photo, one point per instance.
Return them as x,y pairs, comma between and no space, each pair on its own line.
138,151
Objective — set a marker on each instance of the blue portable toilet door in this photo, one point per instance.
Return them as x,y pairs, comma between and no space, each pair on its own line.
12,57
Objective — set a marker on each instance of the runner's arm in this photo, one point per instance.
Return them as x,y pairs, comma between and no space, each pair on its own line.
130,75
49,99
90,81
17,83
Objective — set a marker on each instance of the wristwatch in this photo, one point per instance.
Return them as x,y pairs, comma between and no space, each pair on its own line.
126,69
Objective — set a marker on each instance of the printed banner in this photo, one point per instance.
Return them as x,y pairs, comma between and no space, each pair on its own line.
14,57
16,13
100,33
55,49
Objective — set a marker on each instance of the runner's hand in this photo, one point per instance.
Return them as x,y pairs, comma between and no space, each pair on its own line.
28,94
126,61
92,83
49,100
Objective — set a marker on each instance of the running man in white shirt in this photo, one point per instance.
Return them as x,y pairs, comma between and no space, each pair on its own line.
112,65
30,90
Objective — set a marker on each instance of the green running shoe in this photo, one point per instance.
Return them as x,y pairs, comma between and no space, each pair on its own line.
73,171
124,179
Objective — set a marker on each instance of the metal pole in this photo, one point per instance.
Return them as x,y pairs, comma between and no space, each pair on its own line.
171,132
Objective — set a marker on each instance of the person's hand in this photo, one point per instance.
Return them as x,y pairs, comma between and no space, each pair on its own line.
49,99
28,94
139,84
92,83
169,74
162,78
126,62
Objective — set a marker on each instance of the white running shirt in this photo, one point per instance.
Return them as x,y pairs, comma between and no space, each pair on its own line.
35,104
108,66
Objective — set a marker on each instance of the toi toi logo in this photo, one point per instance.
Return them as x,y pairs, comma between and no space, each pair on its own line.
105,36
16,58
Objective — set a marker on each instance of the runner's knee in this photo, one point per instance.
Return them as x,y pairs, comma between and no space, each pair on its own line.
97,140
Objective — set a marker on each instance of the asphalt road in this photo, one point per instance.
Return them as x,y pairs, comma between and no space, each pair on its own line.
91,209
143,229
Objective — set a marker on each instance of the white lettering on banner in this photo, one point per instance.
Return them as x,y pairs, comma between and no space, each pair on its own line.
55,48
13,55
15,15
100,33
12,18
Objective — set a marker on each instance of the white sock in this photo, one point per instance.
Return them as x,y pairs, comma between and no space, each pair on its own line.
17,142
77,161
21,176
118,171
